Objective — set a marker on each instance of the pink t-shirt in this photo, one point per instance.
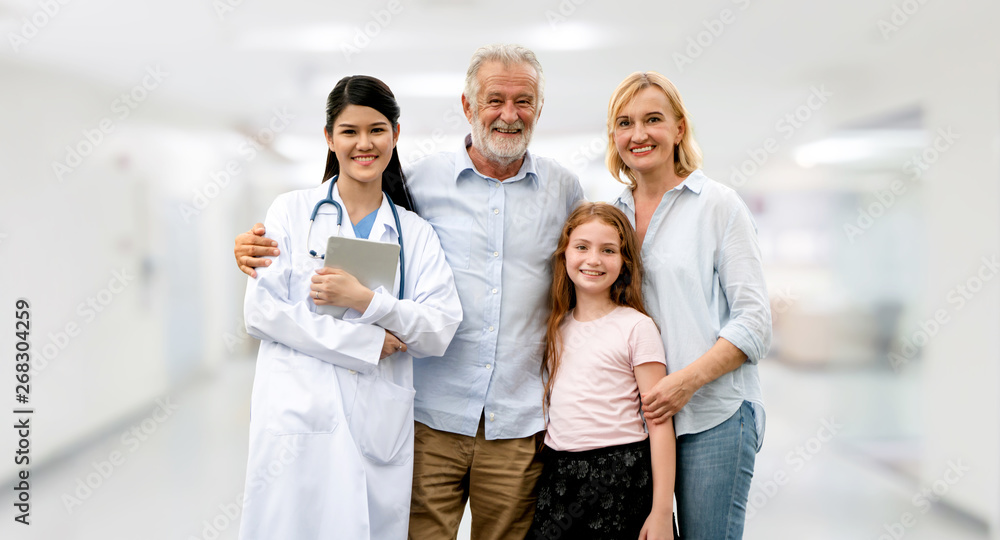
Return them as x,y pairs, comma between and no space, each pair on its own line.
595,398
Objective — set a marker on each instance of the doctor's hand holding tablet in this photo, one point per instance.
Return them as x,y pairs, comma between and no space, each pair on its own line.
338,288
357,288
335,289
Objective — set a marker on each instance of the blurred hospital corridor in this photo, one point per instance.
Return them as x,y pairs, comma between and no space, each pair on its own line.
140,138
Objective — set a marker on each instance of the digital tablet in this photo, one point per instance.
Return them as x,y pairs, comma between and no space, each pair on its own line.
373,263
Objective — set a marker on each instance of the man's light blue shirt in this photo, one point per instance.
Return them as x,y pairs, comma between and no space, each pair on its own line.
498,238
704,281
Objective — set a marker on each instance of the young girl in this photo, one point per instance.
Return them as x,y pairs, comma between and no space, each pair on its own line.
603,476
331,424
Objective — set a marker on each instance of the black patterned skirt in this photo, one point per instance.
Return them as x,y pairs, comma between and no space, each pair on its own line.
601,494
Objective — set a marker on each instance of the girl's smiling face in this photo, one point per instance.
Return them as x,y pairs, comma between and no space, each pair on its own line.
593,258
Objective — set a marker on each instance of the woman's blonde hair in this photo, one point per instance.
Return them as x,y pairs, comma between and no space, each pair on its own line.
687,154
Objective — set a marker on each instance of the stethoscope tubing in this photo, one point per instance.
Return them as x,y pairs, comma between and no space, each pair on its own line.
340,220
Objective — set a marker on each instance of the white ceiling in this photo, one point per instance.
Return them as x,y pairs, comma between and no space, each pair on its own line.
232,67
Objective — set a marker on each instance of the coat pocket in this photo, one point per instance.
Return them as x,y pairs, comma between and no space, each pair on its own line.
382,421
302,397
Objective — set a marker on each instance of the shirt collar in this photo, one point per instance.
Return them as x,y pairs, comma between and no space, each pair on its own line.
464,163
626,199
694,182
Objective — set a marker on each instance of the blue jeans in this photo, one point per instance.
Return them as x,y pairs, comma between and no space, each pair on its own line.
714,469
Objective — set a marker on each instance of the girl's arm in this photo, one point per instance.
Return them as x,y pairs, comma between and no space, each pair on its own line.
270,314
662,444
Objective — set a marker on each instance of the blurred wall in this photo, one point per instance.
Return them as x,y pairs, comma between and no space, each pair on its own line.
79,249
959,200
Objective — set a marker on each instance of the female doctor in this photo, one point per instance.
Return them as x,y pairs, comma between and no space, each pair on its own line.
331,429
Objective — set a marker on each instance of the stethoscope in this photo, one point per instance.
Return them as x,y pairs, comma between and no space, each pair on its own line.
340,220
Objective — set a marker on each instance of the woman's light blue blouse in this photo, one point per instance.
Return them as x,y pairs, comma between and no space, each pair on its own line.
704,280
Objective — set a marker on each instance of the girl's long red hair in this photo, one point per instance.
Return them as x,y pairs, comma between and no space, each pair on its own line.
626,290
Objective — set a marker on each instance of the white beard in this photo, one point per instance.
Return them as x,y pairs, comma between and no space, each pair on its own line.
499,149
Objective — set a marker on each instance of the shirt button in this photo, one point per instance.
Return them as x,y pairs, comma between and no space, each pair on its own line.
491,417
496,253
352,372
491,329
488,366
496,210
494,291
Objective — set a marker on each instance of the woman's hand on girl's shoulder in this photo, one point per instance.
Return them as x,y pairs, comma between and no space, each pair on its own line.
657,527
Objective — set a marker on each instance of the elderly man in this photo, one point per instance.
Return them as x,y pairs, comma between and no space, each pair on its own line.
498,211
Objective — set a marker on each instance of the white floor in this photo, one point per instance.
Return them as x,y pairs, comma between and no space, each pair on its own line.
184,481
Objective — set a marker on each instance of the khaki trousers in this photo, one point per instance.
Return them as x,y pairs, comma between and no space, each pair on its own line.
497,478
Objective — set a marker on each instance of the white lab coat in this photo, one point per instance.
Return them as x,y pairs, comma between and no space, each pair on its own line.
331,426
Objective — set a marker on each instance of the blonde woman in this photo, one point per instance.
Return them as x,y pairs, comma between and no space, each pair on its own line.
704,287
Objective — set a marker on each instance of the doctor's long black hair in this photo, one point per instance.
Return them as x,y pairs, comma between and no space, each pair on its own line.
368,92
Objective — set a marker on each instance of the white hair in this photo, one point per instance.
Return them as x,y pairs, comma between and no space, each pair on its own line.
507,54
